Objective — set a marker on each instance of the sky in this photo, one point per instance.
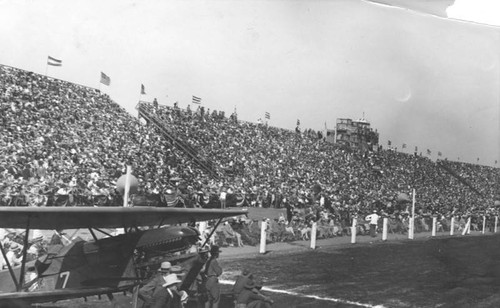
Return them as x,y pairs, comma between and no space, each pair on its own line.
424,73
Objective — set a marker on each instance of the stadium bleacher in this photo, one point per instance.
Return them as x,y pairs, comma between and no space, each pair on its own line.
63,144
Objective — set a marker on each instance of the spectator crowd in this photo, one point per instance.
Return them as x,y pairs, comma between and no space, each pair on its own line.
63,144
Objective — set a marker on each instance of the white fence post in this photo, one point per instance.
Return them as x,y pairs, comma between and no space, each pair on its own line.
127,187
411,228
452,225
468,222
496,224
263,227
434,223
384,229
313,235
467,227
353,231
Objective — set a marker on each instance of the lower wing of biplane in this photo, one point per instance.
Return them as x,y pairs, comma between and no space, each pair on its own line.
101,266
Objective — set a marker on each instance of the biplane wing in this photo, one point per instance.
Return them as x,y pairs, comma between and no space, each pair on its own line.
21,299
51,218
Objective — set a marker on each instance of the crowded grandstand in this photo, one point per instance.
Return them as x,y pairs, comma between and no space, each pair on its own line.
64,144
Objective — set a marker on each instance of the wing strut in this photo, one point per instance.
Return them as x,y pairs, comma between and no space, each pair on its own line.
25,253
211,233
14,279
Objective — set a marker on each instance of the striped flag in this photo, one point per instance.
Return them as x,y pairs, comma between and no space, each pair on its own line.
53,61
143,89
105,80
268,115
196,100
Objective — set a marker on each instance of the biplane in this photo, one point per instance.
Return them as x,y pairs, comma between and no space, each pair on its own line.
104,265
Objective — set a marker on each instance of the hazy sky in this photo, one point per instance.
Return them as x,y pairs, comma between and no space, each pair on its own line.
421,79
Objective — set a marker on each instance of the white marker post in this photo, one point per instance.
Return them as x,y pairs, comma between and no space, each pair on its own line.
384,229
411,232
496,224
484,223
467,227
313,235
263,227
452,225
127,187
353,231
434,223
468,222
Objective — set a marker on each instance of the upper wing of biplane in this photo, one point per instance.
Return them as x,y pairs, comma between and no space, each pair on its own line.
51,218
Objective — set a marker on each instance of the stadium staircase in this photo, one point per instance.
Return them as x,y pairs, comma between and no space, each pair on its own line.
146,112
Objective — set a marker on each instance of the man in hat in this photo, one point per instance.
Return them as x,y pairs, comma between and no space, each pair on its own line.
212,272
166,295
241,281
373,219
146,292
250,297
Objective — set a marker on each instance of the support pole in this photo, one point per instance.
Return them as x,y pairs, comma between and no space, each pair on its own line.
468,222
313,235
496,224
384,229
452,225
434,222
353,230
411,232
127,187
263,227
467,227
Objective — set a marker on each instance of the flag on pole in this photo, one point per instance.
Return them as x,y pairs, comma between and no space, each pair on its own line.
196,100
389,142
416,149
496,162
268,115
53,61
143,89
298,122
105,80
429,152
404,145
440,154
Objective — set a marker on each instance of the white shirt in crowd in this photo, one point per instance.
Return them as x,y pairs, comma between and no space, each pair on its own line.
372,218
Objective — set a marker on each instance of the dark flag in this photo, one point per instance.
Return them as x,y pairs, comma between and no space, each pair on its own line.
53,61
298,122
429,152
404,145
196,100
105,80
143,89
389,142
416,149
440,154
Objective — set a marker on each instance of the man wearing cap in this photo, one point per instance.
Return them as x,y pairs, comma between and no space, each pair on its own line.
146,292
250,296
212,272
166,295
241,281
373,219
